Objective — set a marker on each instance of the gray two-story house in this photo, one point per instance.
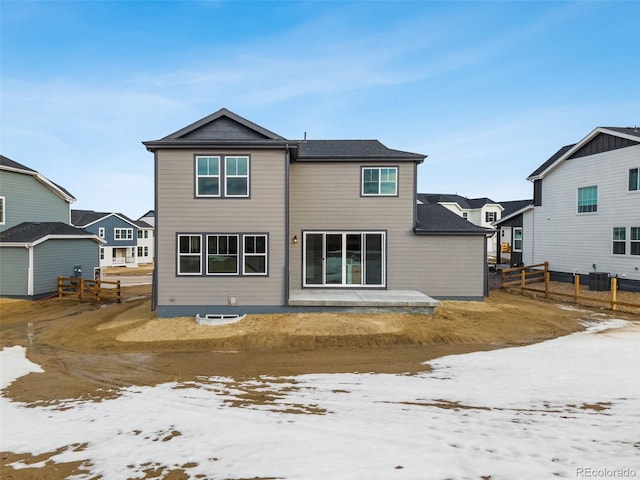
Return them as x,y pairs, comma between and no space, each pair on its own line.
249,221
37,242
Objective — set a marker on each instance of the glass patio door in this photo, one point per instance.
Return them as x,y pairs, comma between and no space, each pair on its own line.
343,259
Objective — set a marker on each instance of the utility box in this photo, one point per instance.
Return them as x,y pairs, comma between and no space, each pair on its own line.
599,281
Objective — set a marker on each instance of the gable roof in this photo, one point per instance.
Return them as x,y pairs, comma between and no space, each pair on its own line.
222,127
12,166
513,208
33,233
616,137
463,202
226,129
84,218
434,219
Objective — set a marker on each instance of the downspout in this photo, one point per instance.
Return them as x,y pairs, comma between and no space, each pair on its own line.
486,267
287,243
30,286
154,277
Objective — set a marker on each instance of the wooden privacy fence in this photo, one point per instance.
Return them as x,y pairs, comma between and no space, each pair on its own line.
536,278
82,288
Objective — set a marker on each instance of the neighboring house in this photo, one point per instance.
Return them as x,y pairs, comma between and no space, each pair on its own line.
144,248
482,212
149,218
249,221
37,243
127,242
586,213
510,231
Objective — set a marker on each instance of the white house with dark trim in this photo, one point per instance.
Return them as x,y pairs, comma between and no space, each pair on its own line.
586,208
249,221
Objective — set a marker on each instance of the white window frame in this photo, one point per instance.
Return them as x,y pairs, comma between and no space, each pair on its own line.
117,233
3,210
578,201
228,176
513,247
246,255
198,175
101,232
189,254
634,241
619,241
236,255
101,253
380,182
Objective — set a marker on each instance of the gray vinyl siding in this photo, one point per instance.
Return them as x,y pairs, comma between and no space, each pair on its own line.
28,200
14,271
179,212
573,242
55,258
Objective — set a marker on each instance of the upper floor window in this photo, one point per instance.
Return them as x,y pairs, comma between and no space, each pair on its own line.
619,240
379,181
236,176
101,232
634,179
2,211
490,217
207,176
123,233
588,199
222,176
143,233
465,215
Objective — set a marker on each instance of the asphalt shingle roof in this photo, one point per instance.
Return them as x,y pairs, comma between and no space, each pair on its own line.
464,202
344,149
28,232
438,219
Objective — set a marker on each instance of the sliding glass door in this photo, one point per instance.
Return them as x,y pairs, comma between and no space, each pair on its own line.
344,259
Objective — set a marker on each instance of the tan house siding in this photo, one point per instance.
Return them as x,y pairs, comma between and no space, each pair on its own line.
326,196
178,211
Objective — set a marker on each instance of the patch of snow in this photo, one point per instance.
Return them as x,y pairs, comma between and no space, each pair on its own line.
540,411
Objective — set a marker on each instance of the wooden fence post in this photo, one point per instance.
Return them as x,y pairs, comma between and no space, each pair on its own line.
577,283
547,283
59,287
614,293
119,295
523,281
80,286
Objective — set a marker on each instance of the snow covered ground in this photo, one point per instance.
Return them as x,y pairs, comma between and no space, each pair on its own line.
567,408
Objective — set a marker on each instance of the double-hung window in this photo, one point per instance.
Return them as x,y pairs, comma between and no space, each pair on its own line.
588,199
634,179
517,239
222,176
236,173
101,232
619,240
379,181
207,176
490,217
2,221
255,255
189,255
635,241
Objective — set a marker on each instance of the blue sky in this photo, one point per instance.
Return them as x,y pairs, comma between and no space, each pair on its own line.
488,90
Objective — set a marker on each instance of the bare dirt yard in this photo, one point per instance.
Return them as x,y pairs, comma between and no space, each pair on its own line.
89,350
